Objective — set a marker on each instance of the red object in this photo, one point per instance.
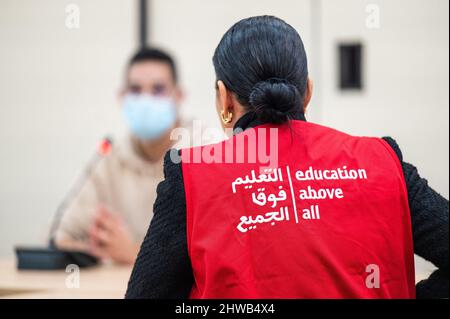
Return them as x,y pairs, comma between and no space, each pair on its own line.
344,235
104,147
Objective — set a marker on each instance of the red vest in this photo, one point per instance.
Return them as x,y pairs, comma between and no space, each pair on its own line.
329,220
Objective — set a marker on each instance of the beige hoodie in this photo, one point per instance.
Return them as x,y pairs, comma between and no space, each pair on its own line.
124,184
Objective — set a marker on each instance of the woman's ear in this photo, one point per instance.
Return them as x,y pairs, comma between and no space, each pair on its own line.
229,105
308,94
224,105
222,97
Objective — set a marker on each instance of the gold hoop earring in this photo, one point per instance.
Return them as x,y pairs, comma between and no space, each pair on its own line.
226,120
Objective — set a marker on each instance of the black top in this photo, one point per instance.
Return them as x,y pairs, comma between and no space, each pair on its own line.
163,268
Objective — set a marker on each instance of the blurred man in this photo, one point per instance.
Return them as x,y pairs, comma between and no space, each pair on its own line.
109,216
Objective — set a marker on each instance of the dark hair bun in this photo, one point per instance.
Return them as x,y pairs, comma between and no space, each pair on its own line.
275,100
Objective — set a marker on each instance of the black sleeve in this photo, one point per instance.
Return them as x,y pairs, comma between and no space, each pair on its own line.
163,268
429,217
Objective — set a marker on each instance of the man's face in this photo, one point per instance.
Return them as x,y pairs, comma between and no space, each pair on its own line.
151,77
150,101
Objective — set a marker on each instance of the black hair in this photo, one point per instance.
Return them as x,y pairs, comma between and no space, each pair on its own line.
262,60
154,54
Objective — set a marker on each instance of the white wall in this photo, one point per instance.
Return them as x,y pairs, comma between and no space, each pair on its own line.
191,30
406,78
58,85
406,67
57,100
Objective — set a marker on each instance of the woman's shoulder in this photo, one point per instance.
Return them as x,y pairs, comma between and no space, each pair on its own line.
172,165
170,200
394,145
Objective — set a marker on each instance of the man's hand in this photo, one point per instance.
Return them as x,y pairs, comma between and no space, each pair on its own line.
109,238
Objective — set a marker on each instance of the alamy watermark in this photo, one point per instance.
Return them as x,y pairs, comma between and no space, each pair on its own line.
373,277
72,16
254,145
373,16
73,279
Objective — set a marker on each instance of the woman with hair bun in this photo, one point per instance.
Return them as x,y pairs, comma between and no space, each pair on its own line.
240,227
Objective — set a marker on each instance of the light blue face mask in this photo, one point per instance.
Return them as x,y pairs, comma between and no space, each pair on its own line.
148,117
